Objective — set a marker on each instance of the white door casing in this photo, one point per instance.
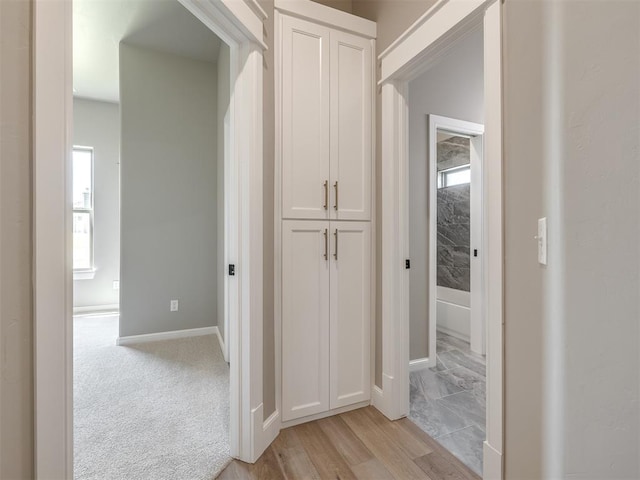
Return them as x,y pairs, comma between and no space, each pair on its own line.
239,24
411,54
475,133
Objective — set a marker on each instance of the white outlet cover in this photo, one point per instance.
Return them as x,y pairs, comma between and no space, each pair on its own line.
116,284
173,306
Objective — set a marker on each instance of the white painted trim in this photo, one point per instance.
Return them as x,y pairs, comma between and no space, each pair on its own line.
425,41
491,463
331,17
52,241
328,413
223,347
96,309
171,335
237,24
475,131
84,274
376,397
418,364
271,428
445,22
494,243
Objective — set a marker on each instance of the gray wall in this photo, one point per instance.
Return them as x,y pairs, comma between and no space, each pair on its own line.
16,331
168,192
97,124
452,88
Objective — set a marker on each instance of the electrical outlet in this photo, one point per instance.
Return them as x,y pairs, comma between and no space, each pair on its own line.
116,284
174,305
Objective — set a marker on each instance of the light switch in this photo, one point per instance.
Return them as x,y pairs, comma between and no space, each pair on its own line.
542,241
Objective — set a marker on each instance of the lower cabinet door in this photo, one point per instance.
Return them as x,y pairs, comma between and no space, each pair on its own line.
305,318
350,343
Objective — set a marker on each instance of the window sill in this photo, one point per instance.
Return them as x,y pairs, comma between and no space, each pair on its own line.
84,274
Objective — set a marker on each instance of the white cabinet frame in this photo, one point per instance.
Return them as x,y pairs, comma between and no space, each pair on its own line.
411,54
315,12
240,25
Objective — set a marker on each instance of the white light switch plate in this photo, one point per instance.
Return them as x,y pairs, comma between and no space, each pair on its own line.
542,241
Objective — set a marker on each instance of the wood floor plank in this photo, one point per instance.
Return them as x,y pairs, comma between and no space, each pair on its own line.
346,442
466,472
394,458
292,457
412,444
362,444
372,470
323,454
438,468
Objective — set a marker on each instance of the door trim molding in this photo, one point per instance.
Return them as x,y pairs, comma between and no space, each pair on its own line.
476,133
413,53
240,26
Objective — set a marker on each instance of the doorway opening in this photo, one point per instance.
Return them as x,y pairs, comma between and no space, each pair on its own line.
248,433
447,388
450,398
151,134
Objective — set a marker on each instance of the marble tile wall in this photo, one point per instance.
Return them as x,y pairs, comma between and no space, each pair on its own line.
453,269
454,237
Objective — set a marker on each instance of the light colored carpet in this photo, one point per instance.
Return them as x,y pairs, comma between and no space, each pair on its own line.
150,411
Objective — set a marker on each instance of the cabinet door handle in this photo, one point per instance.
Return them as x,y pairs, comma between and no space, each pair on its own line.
335,255
336,187
326,244
326,194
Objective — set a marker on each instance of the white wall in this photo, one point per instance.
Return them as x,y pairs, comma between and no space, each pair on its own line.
169,194
97,124
452,88
222,123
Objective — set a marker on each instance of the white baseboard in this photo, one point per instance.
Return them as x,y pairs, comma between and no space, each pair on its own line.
454,319
271,428
156,337
330,413
377,398
220,341
492,463
96,309
419,364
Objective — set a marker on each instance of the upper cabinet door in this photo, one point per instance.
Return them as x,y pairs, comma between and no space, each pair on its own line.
351,126
305,119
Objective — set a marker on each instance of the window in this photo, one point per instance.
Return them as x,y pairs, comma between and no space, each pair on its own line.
454,176
83,211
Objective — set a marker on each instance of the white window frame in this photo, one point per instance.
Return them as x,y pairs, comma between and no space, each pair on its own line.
444,174
90,272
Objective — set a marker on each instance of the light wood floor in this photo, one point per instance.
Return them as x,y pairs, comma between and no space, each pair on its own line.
361,444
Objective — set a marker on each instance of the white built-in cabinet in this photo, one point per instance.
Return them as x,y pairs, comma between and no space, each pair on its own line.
326,133
324,158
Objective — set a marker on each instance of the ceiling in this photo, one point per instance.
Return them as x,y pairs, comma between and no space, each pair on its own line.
100,25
